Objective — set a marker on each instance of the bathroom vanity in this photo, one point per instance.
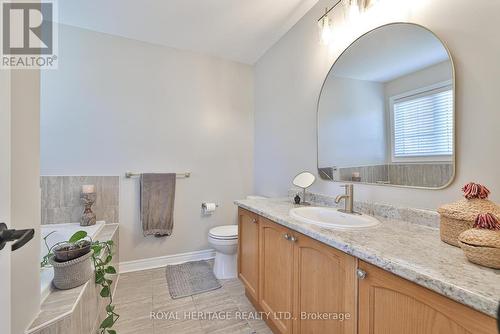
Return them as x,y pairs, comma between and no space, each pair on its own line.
397,277
318,270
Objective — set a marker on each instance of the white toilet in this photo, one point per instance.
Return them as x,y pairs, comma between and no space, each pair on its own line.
224,239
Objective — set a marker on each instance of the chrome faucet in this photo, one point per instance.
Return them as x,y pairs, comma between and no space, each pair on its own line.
348,199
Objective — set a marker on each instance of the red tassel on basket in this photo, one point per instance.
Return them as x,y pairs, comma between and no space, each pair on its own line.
475,190
487,221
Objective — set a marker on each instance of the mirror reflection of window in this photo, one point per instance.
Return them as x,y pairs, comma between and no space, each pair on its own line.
422,124
386,111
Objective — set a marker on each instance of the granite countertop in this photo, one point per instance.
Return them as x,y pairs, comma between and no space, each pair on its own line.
412,251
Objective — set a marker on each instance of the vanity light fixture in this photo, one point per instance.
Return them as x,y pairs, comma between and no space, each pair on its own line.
325,25
352,10
325,29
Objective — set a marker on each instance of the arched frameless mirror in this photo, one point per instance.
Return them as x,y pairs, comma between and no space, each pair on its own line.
386,111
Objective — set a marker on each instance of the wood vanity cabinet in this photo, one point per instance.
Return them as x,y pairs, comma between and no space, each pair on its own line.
297,278
324,284
276,275
248,252
389,304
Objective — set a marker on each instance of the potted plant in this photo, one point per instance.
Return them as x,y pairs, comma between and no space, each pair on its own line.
71,249
73,261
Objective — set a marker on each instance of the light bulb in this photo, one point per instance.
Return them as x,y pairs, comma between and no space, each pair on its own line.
351,9
325,30
354,10
369,3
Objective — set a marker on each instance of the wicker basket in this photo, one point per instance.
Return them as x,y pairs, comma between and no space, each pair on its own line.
459,216
481,247
73,273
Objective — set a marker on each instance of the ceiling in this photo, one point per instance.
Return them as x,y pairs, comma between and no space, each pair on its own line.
391,52
232,29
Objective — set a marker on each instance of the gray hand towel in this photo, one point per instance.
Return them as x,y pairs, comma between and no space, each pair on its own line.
157,204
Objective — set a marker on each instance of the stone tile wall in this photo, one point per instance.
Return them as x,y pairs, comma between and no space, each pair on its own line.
61,198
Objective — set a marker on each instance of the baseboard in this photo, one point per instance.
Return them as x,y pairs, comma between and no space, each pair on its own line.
161,261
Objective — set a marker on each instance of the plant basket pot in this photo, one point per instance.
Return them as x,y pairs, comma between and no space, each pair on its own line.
68,255
481,247
73,273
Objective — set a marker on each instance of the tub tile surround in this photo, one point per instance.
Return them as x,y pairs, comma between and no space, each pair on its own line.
79,310
412,250
61,198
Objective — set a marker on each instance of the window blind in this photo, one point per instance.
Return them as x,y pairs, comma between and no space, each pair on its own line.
423,124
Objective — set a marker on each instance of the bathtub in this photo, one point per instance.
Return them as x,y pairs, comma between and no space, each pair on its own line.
62,232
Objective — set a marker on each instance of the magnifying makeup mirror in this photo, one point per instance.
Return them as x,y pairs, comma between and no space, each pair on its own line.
304,180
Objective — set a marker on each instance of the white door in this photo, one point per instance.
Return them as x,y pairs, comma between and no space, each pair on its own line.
5,287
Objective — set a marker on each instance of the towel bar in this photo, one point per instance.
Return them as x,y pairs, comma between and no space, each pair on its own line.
128,175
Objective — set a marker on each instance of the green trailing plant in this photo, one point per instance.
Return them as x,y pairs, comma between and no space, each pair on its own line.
45,259
102,269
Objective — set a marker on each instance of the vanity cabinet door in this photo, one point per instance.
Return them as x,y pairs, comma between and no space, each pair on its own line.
389,304
248,251
276,275
325,285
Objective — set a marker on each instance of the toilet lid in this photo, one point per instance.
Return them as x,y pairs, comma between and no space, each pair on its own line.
224,232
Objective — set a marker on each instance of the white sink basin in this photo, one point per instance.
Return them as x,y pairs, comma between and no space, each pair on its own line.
333,218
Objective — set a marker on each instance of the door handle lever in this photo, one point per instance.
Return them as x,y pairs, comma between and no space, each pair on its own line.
20,236
23,240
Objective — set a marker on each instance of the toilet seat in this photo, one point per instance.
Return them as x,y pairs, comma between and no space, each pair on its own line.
225,232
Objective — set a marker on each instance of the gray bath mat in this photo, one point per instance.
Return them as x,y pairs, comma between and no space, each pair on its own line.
190,278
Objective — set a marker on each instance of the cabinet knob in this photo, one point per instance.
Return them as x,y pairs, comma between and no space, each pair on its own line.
286,236
293,239
254,220
361,273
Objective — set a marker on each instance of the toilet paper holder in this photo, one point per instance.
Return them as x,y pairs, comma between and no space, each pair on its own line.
208,208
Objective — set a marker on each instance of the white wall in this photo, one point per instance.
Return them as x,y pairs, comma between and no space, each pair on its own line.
25,195
348,104
426,77
288,79
117,104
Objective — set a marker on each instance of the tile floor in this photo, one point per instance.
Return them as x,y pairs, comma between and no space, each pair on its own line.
140,293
